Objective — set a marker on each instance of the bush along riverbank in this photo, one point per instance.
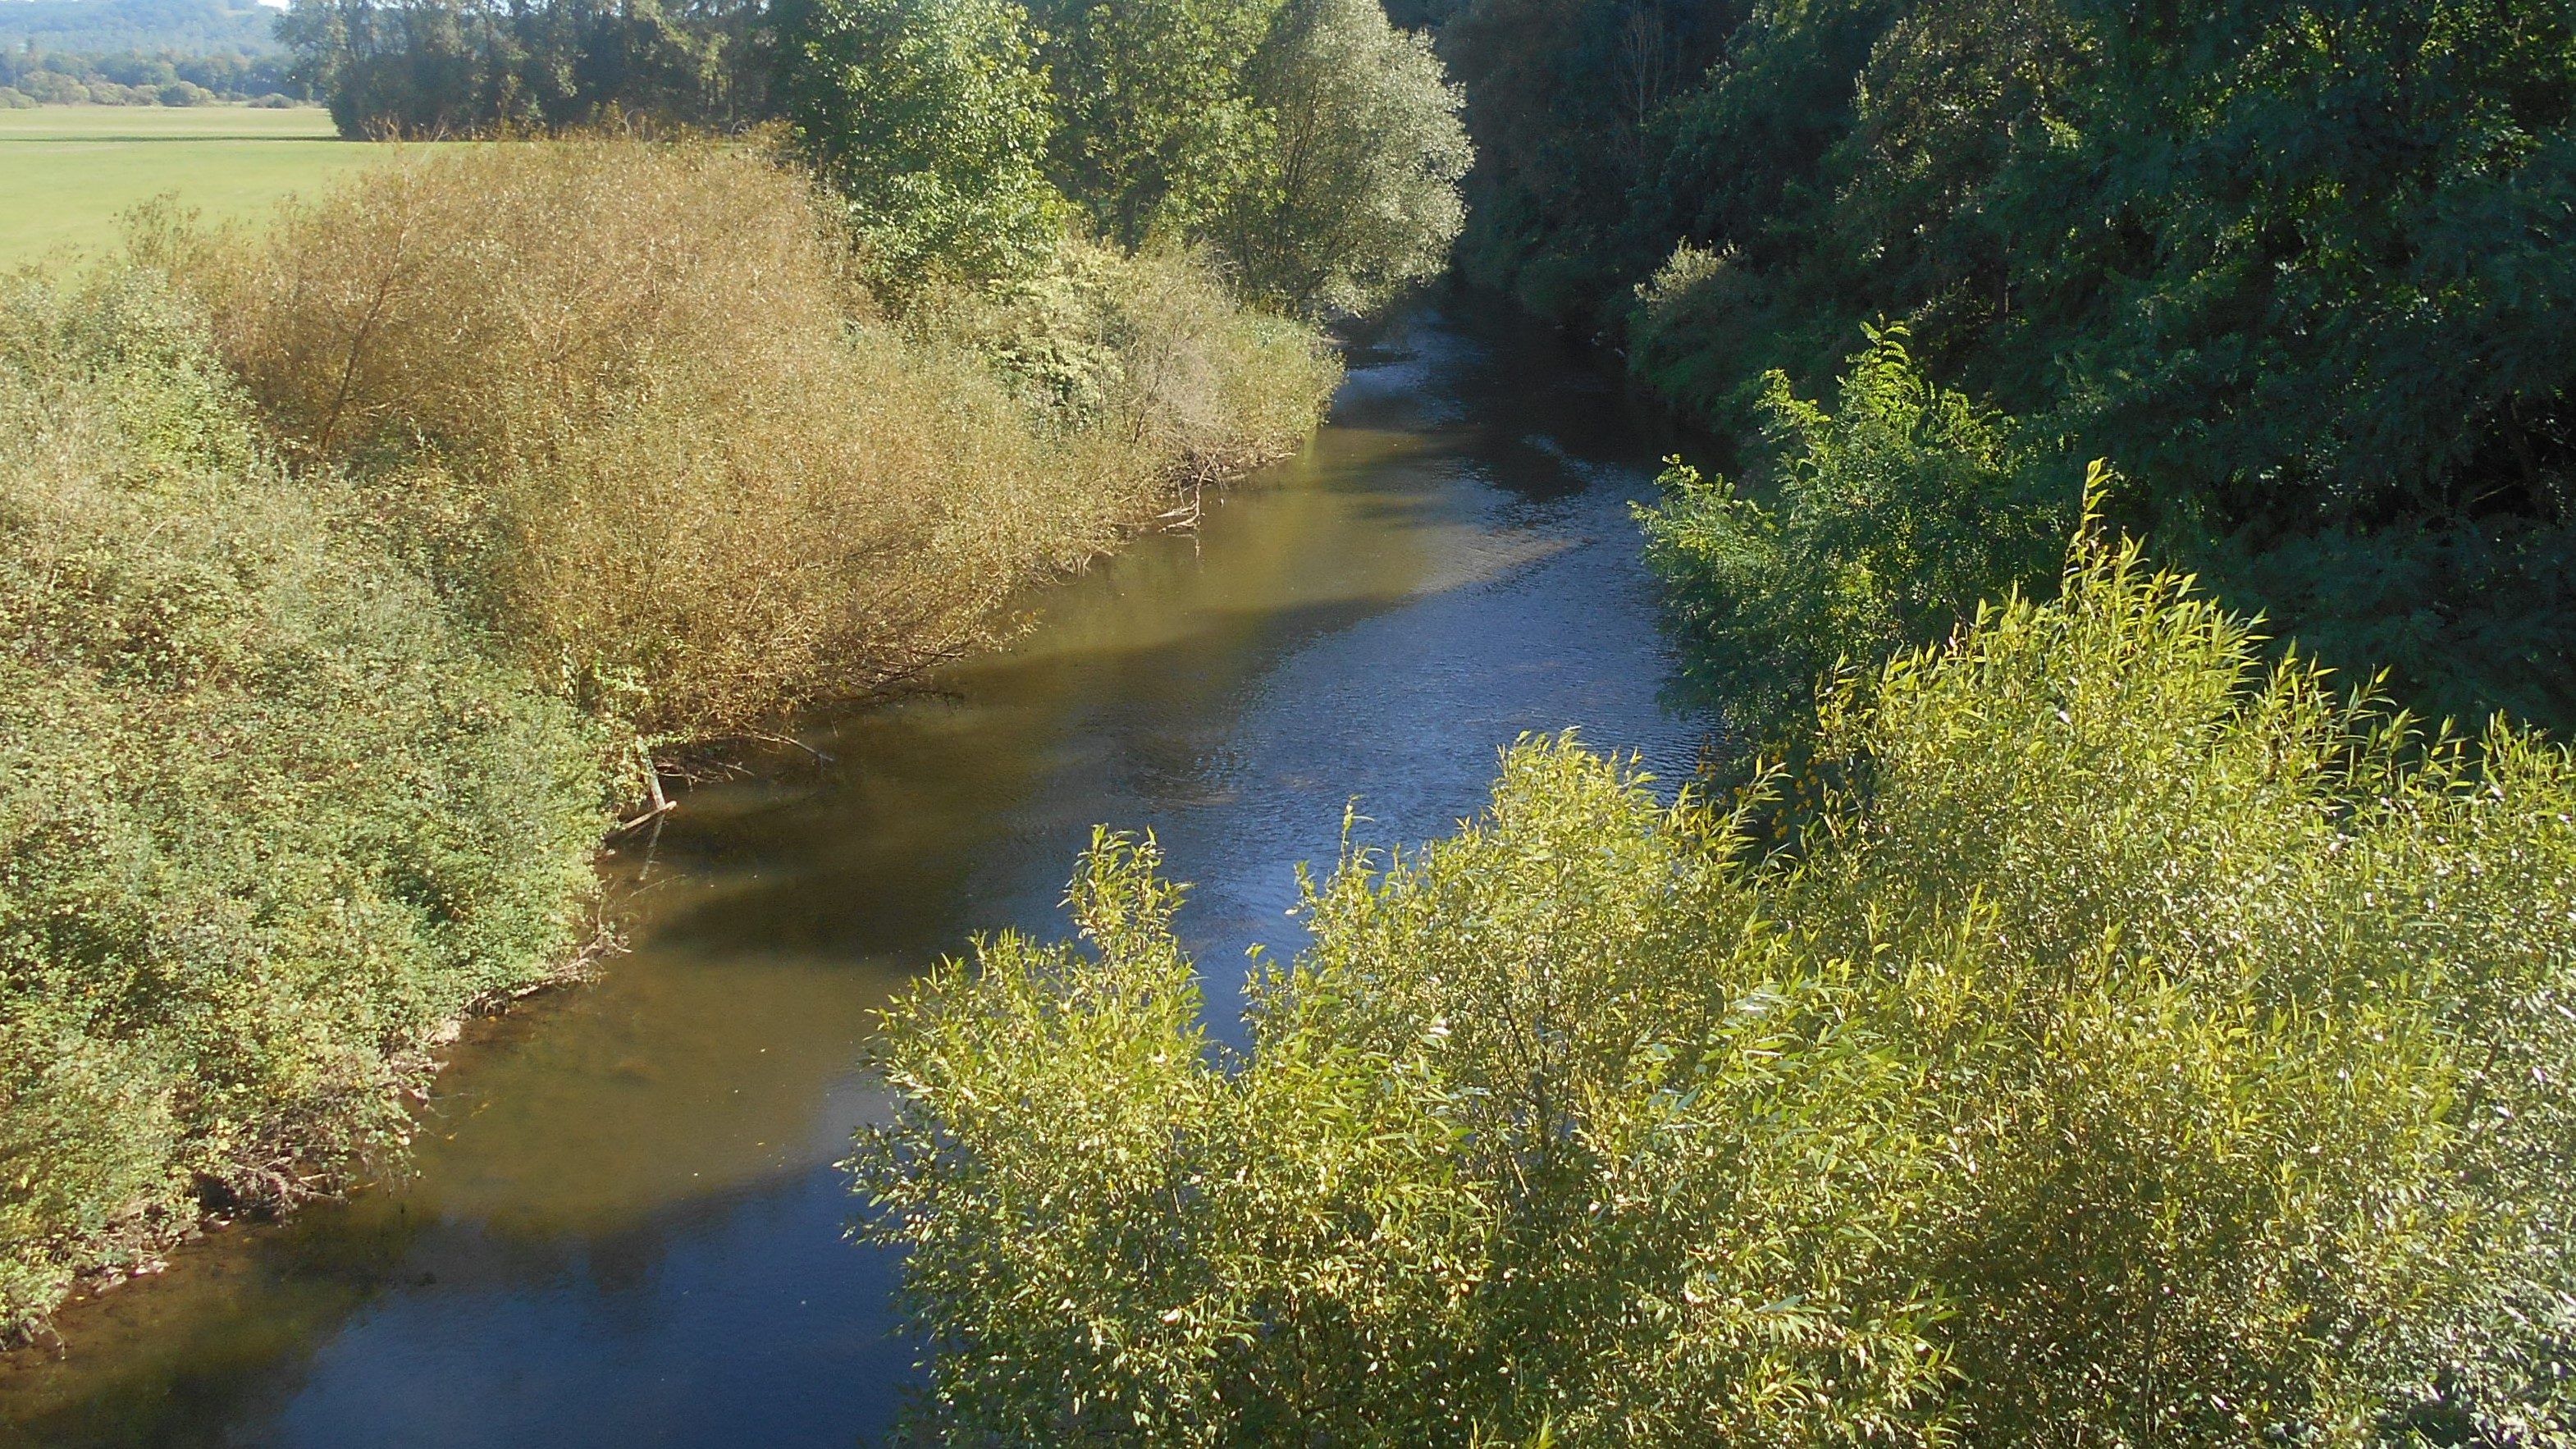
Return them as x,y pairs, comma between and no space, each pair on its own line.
2140,1045
272,813
639,410
348,565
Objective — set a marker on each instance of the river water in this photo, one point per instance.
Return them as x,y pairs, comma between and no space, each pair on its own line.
622,1225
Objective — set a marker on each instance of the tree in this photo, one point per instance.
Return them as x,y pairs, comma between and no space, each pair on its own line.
451,67
1357,195
413,68
931,118
1157,125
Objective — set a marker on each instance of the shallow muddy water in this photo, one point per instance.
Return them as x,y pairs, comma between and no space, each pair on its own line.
622,1225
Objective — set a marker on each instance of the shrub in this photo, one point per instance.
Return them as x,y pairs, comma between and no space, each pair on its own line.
2156,1050
269,820
1896,514
627,402
1149,350
14,99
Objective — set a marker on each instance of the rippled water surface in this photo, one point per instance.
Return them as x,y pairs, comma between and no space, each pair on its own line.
622,1225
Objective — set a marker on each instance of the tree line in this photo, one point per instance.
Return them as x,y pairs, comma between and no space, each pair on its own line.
142,78
1310,142
139,52
2297,268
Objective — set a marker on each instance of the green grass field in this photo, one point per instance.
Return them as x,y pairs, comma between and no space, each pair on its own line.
67,172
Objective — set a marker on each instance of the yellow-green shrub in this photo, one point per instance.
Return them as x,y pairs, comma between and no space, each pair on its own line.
268,818
2146,1050
632,404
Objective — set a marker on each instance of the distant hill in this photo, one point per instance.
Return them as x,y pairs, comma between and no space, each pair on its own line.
101,27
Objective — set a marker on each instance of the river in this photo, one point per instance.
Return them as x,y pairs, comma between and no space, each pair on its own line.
622,1224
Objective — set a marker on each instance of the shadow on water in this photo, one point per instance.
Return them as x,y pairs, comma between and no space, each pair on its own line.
621,1224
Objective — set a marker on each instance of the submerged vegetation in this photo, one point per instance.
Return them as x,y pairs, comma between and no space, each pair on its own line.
2155,1049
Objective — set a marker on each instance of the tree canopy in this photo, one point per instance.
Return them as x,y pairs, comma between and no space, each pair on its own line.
2299,267
1310,144
931,118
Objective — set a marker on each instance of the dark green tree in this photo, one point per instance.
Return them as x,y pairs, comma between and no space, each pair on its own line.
461,67
1157,124
932,118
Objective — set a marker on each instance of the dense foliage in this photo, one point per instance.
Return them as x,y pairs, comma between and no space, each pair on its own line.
1896,517
1316,148
1355,198
2157,1050
2300,268
467,67
931,118
1312,144
270,818
627,404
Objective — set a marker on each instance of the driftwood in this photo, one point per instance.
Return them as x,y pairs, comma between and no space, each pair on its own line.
662,804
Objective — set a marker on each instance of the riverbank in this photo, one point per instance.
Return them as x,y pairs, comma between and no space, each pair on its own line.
362,564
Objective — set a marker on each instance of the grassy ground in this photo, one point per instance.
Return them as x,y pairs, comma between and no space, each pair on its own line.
66,172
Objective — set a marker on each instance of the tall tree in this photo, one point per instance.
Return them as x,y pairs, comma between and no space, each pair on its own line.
448,67
932,118
1158,123
1357,195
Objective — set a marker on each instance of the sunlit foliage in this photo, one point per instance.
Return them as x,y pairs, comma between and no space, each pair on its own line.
931,118
270,817
2140,1048
1896,516
1315,147
1157,121
636,414
1356,197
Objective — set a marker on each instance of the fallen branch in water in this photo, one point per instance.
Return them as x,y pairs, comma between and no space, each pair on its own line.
662,804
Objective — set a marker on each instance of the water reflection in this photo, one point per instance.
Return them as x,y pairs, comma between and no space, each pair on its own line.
622,1226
